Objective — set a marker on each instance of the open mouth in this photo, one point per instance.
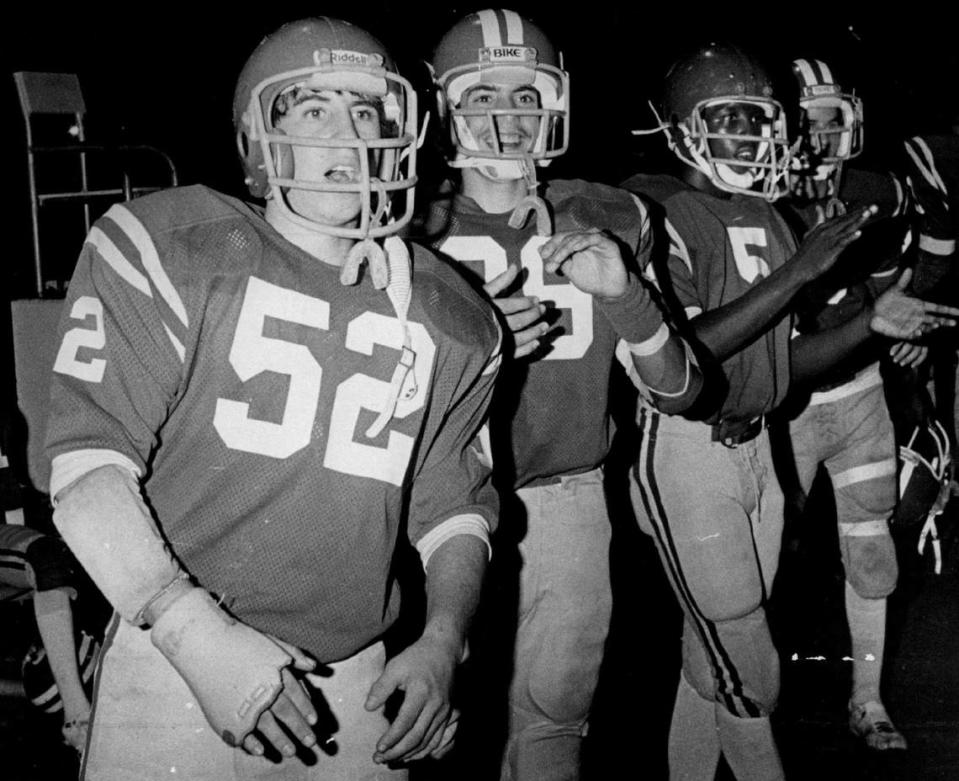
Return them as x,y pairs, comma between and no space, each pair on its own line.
746,154
342,174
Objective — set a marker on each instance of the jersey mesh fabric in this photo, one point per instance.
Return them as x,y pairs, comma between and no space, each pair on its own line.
550,413
283,509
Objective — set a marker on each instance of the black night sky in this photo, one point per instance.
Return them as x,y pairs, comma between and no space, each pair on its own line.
164,74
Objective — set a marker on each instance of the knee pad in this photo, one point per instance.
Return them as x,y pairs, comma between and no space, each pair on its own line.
870,563
52,562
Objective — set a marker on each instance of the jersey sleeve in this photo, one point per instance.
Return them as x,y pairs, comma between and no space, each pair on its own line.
937,225
681,283
452,491
120,355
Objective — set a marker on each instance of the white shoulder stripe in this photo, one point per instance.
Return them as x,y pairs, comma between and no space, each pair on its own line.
141,239
114,258
643,212
677,246
927,166
177,344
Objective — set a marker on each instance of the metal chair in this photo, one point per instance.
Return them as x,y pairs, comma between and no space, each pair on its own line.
59,95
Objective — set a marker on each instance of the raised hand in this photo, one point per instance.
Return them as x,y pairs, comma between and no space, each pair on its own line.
523,313
591,259
898,315
908,354
824,243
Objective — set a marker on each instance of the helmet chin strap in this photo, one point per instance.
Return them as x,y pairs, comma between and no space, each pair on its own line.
531,203
508,171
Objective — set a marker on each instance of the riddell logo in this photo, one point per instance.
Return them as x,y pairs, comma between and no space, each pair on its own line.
341,57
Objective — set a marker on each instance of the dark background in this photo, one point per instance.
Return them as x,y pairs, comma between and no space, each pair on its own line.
164,74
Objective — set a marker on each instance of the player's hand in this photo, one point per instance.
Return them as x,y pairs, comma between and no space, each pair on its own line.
523,313
425,723
898,315
239,676
908,354
590,259
824,243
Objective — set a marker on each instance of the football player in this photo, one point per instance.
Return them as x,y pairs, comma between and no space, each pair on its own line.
732,271
559,260
841,420
250,409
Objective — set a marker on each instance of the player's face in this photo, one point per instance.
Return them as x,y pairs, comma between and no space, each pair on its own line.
732,121
824,126
328,115
509,132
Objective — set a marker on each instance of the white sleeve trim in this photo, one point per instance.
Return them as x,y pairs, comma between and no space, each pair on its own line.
936,246
70,467
652,345
472,524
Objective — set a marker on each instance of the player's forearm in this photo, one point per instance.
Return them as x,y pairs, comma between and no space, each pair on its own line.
814,354
728,329
454,579
104,520
665,366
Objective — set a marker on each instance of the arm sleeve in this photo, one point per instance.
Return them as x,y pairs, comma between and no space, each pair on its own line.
936,224
121,353
453,492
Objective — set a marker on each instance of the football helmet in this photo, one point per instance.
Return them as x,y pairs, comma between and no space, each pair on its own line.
328,54
715,76
925,483
925,465
499,46
820,152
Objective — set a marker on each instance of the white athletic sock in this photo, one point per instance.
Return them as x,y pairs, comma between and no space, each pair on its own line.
867,629
55,622
749,747
693,739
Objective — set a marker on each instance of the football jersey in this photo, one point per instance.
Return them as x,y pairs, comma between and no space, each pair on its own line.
863,270
241,378
550,414
718,248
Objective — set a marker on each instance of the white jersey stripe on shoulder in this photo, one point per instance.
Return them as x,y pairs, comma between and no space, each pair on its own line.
141,239
177,344
514,27
490,26
677,246
114,258
643,213
931,158
927,165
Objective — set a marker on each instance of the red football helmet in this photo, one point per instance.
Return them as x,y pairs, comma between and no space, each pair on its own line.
715,76
329,54
497,45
